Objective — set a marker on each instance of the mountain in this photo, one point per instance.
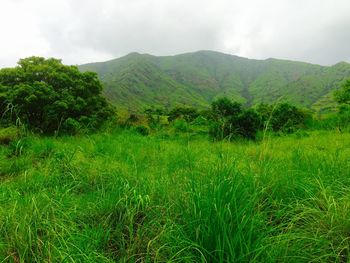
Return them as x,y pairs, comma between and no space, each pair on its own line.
136,81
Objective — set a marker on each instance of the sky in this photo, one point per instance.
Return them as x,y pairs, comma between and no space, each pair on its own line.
82,31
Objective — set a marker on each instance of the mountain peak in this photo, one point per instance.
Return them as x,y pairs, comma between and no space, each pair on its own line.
133,54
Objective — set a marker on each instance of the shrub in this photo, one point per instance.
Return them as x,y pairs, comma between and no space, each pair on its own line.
282,117
223,107
343,119
248,123
343,95
181,125
287,118
154,116
71,126
186,113
230,120
265,112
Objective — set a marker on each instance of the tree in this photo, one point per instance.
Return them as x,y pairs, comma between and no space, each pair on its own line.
186,113
48,96
342,96
230,120
265,111
281,117
287,118
248,123
223,107
154,116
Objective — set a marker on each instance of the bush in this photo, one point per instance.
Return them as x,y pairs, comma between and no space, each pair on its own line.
287,118
248,123
342,96
181,125
265,112
343,119
282,117
45,95
223,107
187,113
71,126
230,120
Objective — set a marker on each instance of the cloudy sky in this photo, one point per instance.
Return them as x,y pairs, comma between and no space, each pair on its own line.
80,31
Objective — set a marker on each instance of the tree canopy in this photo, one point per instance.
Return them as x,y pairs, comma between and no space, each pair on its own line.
343,95
281,117
49,97
231,120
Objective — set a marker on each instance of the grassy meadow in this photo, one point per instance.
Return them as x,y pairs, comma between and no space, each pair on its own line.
122,197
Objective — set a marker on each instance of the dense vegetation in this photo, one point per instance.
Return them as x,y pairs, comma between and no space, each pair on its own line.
49,97
342,96
229,183
196,79
231,120
120,196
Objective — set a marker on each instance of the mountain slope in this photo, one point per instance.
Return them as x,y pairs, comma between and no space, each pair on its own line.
137,80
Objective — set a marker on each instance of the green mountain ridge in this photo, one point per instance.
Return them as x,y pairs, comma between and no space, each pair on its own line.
136,81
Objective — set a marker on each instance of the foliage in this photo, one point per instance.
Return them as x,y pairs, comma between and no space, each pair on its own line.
265,111
344,116
287,118
343,95
231,120
187,113
224,107
282,117
248,123
181,125
154,116
51,97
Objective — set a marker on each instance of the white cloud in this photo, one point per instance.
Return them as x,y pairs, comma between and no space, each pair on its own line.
80,31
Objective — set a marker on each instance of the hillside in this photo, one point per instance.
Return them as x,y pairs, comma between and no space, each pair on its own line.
138,80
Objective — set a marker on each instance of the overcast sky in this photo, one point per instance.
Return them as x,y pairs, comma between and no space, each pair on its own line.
81,31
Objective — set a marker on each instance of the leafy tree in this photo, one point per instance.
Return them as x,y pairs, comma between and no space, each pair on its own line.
343,118
282,117
231,120
223,107
186,113
287,118
49,97
248,123
342,96
154,116
265,111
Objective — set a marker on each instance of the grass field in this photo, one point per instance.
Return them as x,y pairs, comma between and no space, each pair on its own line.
122,197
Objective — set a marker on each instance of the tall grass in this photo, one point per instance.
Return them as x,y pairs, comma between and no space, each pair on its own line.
123,197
